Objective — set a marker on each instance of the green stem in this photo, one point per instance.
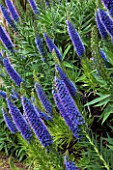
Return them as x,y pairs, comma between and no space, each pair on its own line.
97,151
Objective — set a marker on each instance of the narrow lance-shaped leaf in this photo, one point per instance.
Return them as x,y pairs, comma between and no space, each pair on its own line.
12,10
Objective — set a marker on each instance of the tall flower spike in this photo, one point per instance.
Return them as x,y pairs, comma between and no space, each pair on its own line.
39,45
42,115
19,121
109,5
72,113
101,27
69,165
11,126
3,95
42,97
12,10
34,6
12,73
36,123
8,18
103,55
71,87
76,40
106,21
52,46
60,107
4,37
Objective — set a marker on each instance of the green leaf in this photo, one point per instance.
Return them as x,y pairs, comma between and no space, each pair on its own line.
66,51
103,97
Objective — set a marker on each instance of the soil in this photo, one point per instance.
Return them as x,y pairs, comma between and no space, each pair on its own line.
4,163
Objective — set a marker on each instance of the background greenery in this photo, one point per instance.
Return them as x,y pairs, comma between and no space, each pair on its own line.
94,91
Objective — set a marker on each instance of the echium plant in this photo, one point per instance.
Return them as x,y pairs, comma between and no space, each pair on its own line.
12,10
36,123
42,97
69,110
4,95
4,37
52,46
9,122
7,17
34,6
39,45
12,73
109,5
106,21
20,122
100,26
76,40
70,85
69,165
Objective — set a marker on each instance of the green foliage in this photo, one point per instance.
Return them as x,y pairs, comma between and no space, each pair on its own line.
93,79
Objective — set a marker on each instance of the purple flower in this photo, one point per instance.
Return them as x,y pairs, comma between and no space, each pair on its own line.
76,40
36,123
11,126
8,18
41,114
39,45
69,165
1,57
46,2
34,6
109,5
106,21
3,95
19,121
4,37
15,94
42,97
12,73
103,55
60,107
71,113
101,27
12,10
71,87
52,46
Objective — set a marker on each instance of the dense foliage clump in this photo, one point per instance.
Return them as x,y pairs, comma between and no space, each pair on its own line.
56,83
